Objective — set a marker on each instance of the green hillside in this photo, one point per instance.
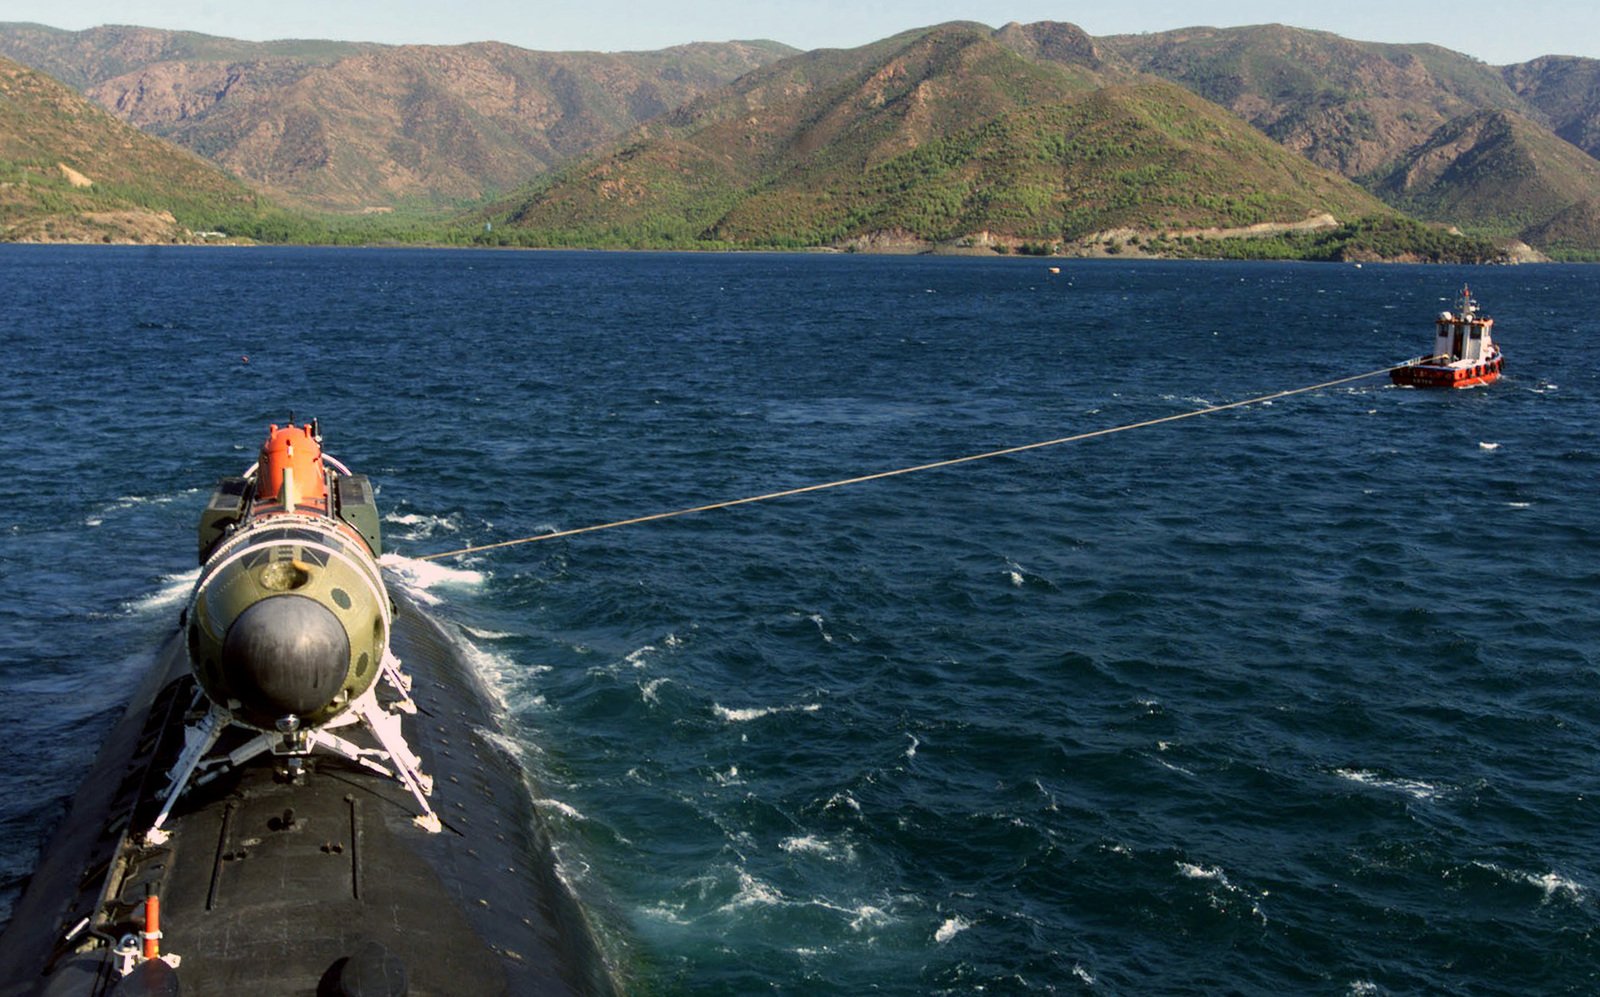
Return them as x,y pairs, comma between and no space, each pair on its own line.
71,172
945,135
1573,233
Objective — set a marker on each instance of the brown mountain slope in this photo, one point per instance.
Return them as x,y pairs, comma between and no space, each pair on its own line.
352,127
1566,91
1067,44
1497,173
70,172
944,134
1350,106
84,58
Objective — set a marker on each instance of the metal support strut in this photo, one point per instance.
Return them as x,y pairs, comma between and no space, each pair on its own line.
383,725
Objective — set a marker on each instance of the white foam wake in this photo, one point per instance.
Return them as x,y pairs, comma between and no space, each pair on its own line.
174,589
420,577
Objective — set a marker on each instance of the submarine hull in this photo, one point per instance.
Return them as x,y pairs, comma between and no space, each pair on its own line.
319,882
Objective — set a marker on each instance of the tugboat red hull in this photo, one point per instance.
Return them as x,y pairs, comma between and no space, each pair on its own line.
1437,376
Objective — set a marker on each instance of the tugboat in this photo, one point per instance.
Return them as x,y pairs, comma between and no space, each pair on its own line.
1464,351
263,818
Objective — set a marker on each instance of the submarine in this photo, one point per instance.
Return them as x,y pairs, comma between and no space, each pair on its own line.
305,794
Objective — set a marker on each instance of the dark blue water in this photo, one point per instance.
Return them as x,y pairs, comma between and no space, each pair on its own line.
1298,698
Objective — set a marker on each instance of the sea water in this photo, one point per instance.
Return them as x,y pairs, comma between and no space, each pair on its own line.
1300,697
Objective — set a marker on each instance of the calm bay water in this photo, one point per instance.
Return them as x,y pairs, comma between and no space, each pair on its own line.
1297,698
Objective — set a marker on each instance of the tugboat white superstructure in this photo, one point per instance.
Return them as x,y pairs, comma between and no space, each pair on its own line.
1464,351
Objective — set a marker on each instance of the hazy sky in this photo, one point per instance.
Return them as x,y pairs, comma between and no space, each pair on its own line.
1497,32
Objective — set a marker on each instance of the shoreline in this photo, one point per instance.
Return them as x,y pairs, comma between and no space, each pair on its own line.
1133,255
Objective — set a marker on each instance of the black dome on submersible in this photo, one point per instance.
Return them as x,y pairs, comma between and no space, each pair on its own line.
285,655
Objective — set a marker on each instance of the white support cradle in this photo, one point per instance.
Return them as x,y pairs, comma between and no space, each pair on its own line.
384,726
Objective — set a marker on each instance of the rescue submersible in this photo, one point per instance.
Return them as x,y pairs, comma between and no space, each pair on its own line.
305,795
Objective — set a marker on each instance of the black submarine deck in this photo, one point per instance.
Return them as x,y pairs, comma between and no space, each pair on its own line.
319,885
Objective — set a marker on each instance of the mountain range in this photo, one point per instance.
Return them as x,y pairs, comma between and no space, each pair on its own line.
71,172
1031,137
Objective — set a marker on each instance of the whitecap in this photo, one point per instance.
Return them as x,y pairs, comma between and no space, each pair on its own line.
1192,871
421,526
757,712
728,778
648,691
753,893
817,619
1518,505
806,843
636,658
127,502
1082,974
950,928
1415,788
1555,886
1014,572
565,809
911,749
868,916
844,800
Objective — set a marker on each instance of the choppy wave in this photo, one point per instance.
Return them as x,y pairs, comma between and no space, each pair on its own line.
421,578
173,591
952,927
423,526
129,503
1186,677
747,714
1414,788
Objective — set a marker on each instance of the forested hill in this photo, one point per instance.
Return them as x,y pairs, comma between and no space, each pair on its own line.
1031,137
1018,140
70,172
